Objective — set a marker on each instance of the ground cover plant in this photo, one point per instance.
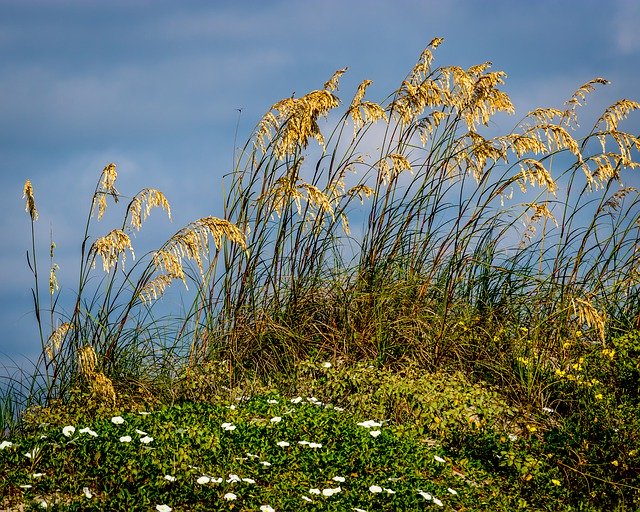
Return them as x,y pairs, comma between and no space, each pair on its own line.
472,298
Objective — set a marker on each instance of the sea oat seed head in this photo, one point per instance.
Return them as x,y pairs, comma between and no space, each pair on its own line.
149,198
27,192
110,246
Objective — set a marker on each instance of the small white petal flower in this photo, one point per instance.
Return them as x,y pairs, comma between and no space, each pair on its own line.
369,424
87,430
338,479
303,442
272,401
163,508
125,439
26,486
249,480
252,456
331,492
144,413
5,444
389,491
309,500
230,496
315,491
437,502
425,495
170,478
203,480
374,433
37,475
339,409
439,459
87,493
326,364
216,480
233,478
276,419
44,504
265,463
141,432
117,420
375,488
228,426
146,439
232,407
266,508
296,400
548,409
315,445
359,509
68,430
452,491
282,444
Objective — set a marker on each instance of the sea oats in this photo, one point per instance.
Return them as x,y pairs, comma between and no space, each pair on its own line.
192,242
87,360
107,186
298,121
580,96
156,287
556,138
616,199
617,112
27,192
475,151
53,280
588,314
362,191
522,144
541,210
362,112
545,115
110,247
282,194
317,199
141,205
56,339
429,124
332,83
536,174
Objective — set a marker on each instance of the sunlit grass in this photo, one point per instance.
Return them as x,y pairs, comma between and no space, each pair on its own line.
474,299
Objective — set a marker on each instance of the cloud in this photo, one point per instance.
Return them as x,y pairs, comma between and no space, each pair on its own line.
624,26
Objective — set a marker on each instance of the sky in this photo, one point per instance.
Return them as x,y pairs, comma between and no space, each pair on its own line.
156,87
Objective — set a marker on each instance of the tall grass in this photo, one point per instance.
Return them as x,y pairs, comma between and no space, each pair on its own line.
455,233
404,233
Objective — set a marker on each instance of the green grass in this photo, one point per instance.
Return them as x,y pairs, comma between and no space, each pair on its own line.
478,294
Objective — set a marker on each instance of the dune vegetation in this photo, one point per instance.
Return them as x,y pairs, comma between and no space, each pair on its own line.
396,309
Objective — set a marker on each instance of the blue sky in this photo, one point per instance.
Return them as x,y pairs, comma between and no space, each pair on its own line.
154,86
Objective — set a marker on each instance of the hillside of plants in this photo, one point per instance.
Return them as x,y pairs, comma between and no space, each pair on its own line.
397,308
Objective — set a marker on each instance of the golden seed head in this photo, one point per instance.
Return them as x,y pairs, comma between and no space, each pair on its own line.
297,121
535,173
27,192
141,205
192,242
55,340
110,246
107,186
53,280
87,361
332,83
156,287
